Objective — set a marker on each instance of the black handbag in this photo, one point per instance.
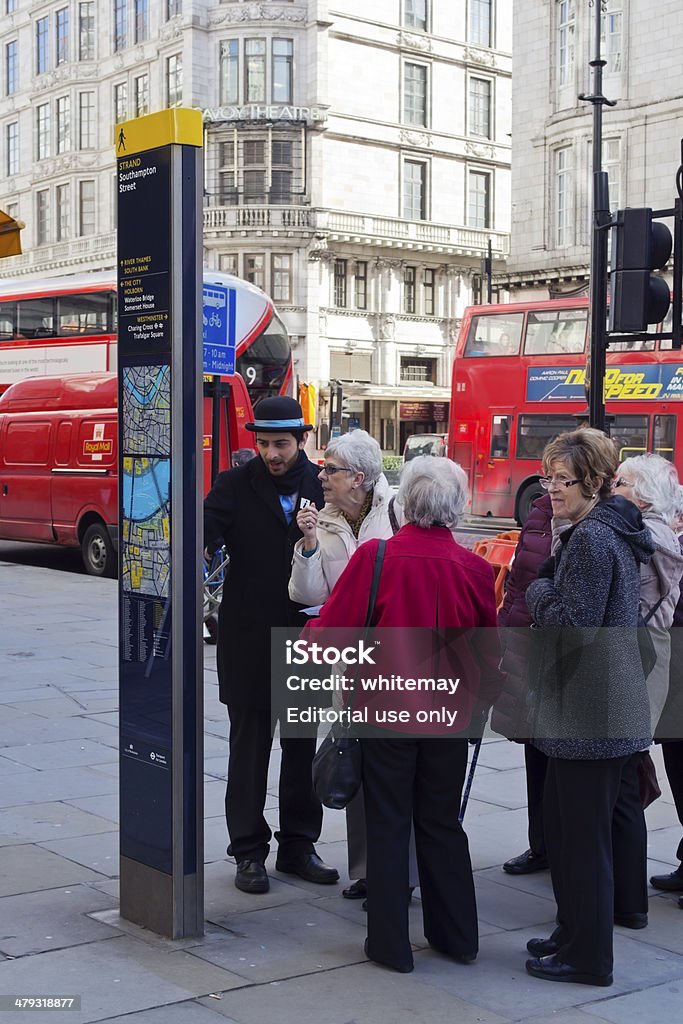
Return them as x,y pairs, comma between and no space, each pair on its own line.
337,764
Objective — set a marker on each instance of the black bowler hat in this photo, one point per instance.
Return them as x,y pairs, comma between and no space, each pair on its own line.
278,415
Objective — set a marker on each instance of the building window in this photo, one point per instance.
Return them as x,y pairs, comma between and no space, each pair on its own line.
281,171
281,277
42,46
86,31
121,102
255,70
282,57
12,135
415,14
62,28
63,124
415,94
255,269
611,163
255,166
566,25
227,262
254,173
42,216
43,121
563,195
409,275
612,42
174,8
414,190
229,71
86,207
480,107
227,190
174,80
340,283
141,95
423,370
120,26
361,285
11,67
480,22
11,6
62,212
428,282
86,120
141,20
479,199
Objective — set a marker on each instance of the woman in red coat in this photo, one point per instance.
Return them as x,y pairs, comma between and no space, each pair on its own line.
428,580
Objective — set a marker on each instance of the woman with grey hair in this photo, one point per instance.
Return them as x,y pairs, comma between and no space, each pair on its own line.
357,508
414,775
651,483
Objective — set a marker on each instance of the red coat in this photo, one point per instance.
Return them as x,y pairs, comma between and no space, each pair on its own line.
428,580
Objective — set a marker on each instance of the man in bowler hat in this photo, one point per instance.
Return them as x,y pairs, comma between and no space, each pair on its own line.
252,510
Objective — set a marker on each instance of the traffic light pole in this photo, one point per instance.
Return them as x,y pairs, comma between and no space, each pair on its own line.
601,219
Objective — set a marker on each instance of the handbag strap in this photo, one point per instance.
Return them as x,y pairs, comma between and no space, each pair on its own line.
646,618
374,586
392,514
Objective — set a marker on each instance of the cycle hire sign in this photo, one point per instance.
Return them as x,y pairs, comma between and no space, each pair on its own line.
219,329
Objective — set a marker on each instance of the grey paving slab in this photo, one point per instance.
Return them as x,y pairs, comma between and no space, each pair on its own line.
493,838
663,842
8,767
54,919
67,705
665,929
61,754
45,730
98,852
29,868
40,822
223,903
508,908
360,994
106,806
578,1016
175,1013
115,976
500,754
58,784
507,789
651,1006
214,799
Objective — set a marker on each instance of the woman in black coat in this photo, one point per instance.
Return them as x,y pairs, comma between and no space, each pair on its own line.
591,715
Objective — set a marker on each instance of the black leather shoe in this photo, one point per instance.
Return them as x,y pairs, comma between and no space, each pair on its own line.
309,867
251,876
542,947
401,968
631,920
526,863
552,969
669,883
356,891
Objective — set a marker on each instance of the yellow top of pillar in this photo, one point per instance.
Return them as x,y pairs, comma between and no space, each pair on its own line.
178,125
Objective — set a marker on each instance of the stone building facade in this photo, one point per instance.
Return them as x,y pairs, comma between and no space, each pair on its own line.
552,130
357,164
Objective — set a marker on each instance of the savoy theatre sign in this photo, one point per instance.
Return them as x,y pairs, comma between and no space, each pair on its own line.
264,112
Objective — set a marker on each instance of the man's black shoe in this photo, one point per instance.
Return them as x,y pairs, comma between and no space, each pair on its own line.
552,969
542,947
309,867
631,920
356,891
252,877
526,863
669,883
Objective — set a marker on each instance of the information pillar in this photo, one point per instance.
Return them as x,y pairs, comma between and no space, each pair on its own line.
159,193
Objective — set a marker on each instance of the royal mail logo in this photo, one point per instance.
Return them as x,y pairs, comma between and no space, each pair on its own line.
104,447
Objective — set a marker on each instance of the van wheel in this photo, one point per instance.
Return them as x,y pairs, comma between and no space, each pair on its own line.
98,551
526,499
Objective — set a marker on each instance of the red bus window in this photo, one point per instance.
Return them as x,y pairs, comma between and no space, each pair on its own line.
629,433
36,318
497,334
534,433
500,437
553,332
664,436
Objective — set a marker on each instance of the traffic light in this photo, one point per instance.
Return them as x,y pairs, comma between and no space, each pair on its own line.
639,246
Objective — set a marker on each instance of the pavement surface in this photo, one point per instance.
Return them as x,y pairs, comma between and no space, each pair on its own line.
293,956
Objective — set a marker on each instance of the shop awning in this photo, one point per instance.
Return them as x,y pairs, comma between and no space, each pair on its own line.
10,239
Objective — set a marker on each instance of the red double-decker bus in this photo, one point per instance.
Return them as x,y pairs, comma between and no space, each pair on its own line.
519,379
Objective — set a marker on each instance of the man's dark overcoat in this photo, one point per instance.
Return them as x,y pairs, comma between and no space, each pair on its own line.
243,510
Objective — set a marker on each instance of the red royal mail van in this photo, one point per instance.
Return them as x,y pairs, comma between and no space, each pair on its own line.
58,461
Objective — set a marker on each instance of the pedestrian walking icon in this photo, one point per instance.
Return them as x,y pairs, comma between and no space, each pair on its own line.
122,141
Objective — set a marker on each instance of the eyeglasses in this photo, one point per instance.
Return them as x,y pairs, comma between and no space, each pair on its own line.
620,482
331,470
547,482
